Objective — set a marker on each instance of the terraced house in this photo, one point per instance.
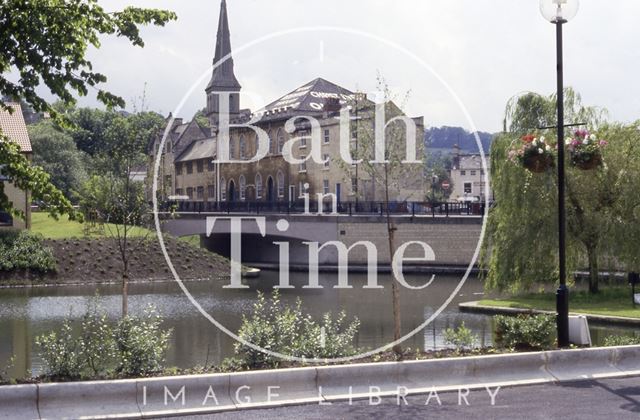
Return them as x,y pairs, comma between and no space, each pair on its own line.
12,126
188,170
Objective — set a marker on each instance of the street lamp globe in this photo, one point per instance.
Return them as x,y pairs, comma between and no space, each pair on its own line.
559,10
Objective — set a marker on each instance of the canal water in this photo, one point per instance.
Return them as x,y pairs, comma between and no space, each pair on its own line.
27,313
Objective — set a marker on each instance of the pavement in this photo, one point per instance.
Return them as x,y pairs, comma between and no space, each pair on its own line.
617,399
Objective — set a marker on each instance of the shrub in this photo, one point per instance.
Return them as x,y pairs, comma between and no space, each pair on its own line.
461,338
278,328
525,331
621,340
132,347
142,344
22,250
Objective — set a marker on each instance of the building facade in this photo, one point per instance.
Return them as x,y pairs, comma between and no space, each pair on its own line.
12,126
188,167
469,178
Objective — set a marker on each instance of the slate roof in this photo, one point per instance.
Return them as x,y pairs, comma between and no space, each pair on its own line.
13,126
199,149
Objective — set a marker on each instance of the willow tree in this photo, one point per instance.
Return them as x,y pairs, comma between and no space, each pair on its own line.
521,245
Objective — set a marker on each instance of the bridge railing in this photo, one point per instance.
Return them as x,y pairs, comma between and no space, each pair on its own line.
344,208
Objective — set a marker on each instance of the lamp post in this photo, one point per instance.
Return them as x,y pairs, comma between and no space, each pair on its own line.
560,12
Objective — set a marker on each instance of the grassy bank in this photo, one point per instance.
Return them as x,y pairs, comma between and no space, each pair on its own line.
64,228
615,301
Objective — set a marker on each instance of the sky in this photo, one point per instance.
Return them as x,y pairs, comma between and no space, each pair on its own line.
457,62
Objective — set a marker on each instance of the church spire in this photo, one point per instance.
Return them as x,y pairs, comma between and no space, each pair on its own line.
223,77
223,81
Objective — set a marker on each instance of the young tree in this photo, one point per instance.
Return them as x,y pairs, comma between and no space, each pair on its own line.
392,181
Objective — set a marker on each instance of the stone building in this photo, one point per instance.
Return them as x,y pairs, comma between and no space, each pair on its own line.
12,126
468,177
188,170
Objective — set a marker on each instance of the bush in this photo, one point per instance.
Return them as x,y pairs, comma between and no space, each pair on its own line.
141,344
132,347
461,338
525,331
621,340
287,330
22,250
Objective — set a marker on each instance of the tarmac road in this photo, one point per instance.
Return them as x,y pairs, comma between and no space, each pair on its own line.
611,399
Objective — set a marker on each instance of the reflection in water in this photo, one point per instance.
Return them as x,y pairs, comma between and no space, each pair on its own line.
26,313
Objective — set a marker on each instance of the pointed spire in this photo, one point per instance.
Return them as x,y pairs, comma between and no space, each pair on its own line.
223,77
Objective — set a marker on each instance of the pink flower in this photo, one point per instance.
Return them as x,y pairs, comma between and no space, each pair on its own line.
603,143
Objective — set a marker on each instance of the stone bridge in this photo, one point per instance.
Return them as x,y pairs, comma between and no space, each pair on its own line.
453,239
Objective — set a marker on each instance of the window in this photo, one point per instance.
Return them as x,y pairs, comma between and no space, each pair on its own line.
179,191
463,173
189,167
190,193
200,193
481,171
211,192
232,149
258,186
243,187
211,166
473,173
303,142
327,160
243,148
280,140
327,136
223,190
178,168
280,184
272,146
325,186
467,188
303,164
354,185
301,189
200,166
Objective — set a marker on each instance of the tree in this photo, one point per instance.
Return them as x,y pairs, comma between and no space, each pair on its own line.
113,196
55,152
45,42
521,241
392,181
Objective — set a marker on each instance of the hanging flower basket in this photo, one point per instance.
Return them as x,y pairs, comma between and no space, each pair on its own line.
538,163
586,150
533,153
585,161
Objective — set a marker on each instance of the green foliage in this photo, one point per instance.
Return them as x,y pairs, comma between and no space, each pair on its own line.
46,42
461,338
287,330
525,331
621,340
135,346
521,245
141,344
28,177
22,250
55,151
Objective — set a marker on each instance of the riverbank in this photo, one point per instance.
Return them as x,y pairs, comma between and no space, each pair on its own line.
612,305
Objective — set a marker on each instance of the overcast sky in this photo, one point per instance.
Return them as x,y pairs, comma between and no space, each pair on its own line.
484,50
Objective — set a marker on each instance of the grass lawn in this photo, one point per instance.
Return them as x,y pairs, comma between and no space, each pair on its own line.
64,228
612,301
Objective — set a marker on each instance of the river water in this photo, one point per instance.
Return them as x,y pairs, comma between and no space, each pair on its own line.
29,312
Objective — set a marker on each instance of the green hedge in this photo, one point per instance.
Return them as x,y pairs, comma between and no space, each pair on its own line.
525,331
22,250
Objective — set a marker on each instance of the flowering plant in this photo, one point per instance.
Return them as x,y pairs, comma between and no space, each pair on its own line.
585,149
534,153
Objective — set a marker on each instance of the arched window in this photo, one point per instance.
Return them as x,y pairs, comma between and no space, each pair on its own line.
272,146
243,186
232,148
280,138
243,148
280,184
223,190
258,186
